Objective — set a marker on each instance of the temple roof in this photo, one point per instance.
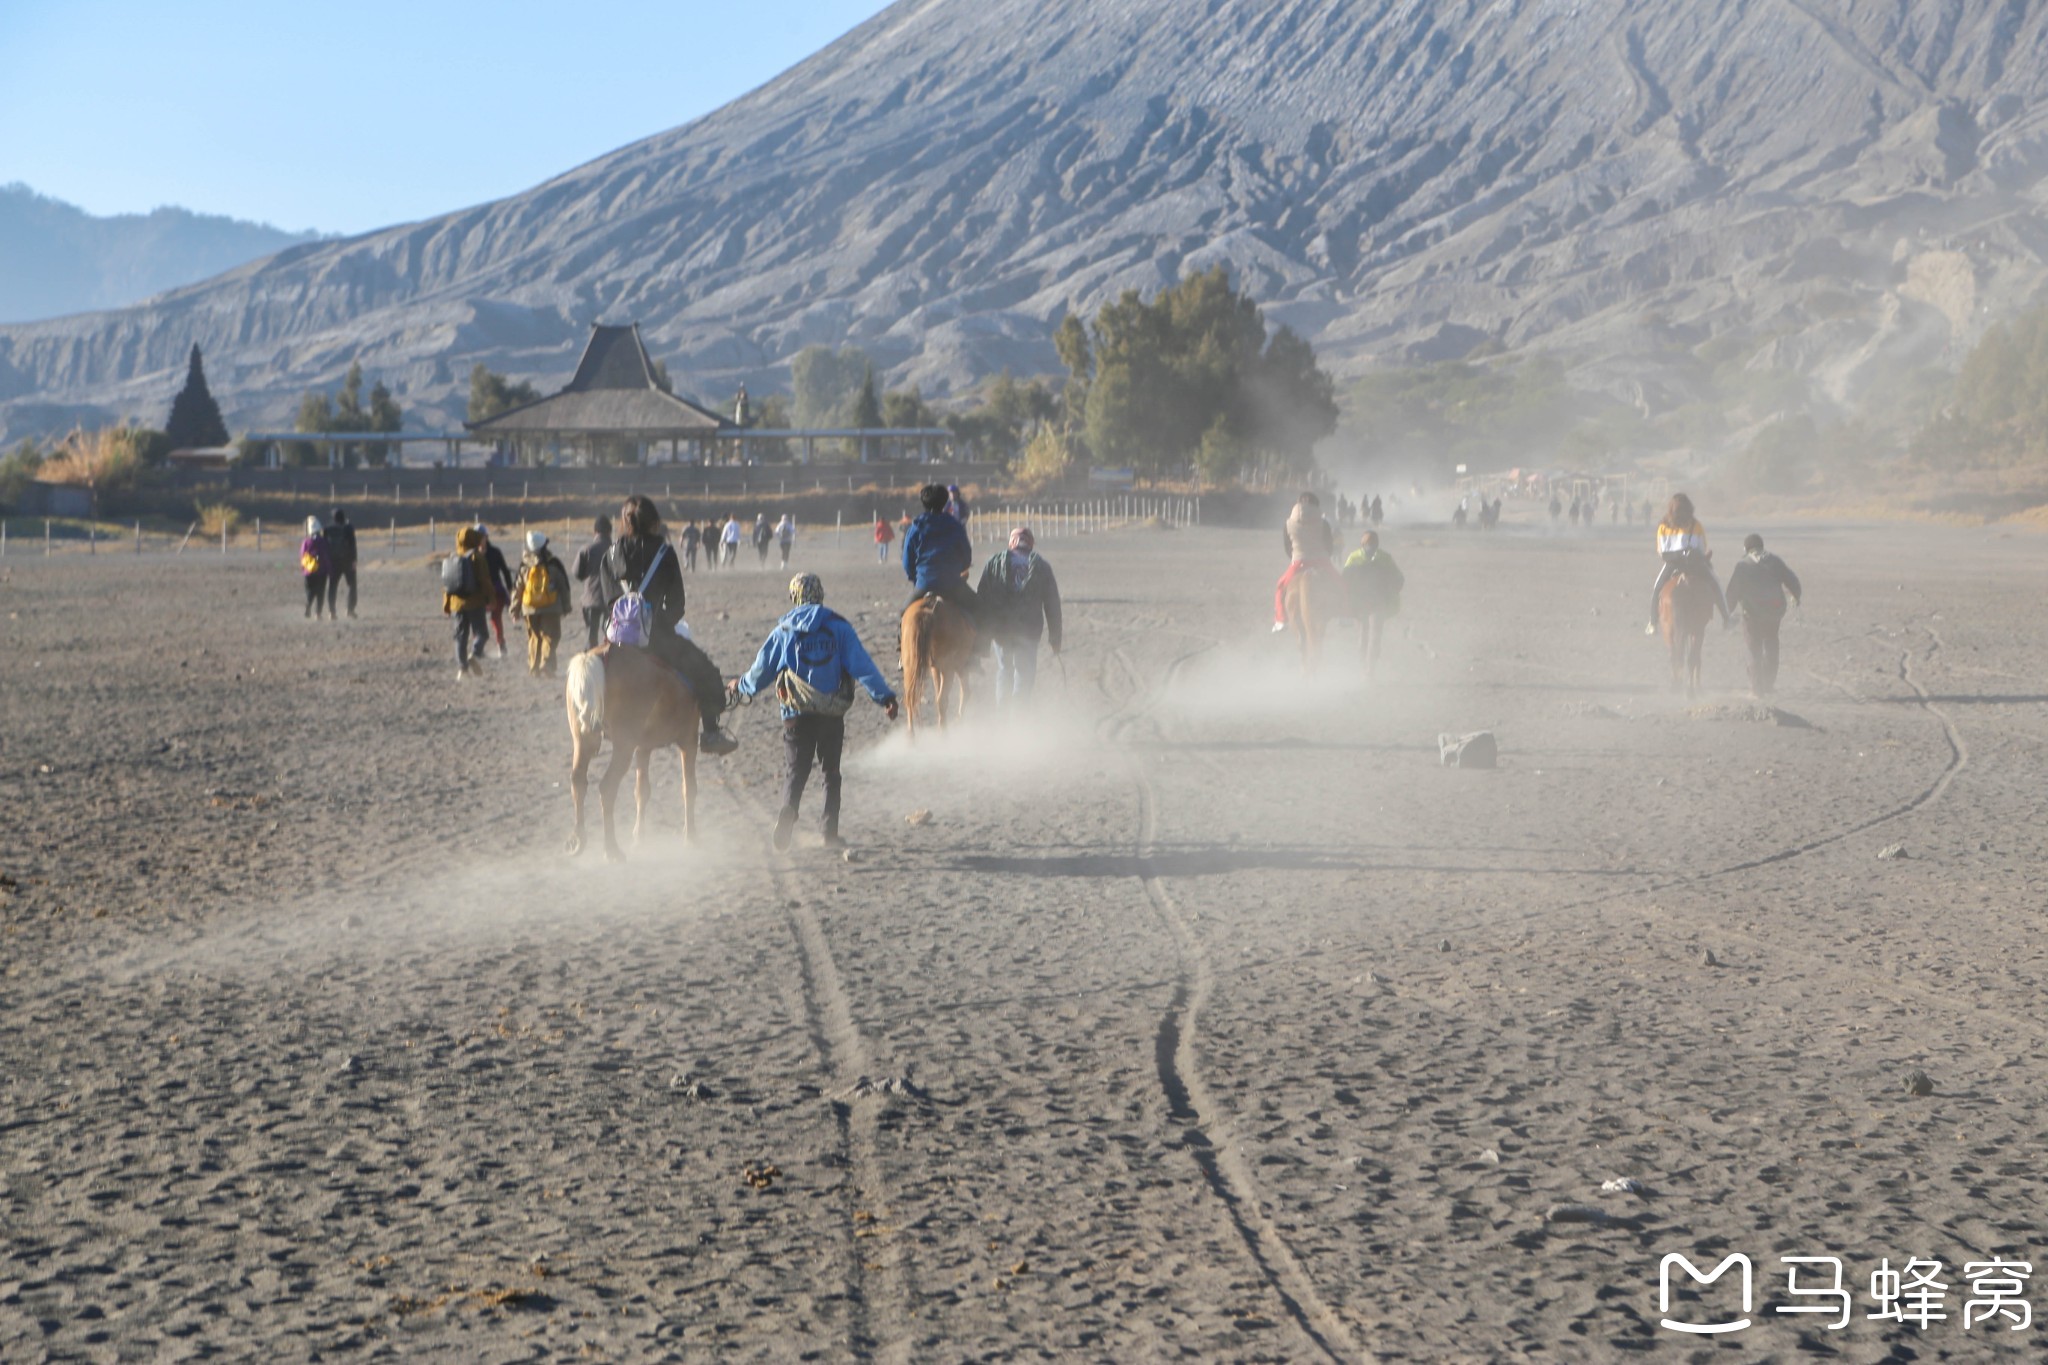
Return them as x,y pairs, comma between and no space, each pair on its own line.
613,393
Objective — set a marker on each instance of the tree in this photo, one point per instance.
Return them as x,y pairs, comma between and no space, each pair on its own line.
1293,400
195,419
490,394
826,383
905,408
385,415
18,470
771,413
1071,341
1189,379
661,379
316,413
1998,413
867,408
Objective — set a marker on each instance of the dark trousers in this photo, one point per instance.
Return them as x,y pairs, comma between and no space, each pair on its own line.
334,578
471,629
316,593
593,622
1760,633
698,671
805,737
956,591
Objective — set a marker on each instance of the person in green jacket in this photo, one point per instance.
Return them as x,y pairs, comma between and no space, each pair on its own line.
1376,584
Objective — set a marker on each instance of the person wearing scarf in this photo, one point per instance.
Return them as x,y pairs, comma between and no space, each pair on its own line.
1020,600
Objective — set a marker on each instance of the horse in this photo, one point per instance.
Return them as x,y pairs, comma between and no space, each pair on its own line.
938,639
1685,607
1310,602
641,704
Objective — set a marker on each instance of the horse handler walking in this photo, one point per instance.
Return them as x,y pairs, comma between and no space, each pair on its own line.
812,659
1758,588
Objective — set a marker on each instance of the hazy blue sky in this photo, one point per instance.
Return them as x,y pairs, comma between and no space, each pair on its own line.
345,117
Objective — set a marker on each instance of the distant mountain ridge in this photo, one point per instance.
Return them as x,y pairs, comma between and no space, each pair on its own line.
1844,187
56,259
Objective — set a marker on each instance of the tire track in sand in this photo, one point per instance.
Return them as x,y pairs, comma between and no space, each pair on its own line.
1958,759
878,1289
1205,1130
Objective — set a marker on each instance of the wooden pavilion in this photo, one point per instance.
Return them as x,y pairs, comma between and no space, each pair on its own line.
613,404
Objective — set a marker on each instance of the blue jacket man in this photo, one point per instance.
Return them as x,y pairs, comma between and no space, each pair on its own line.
788,646
936,554
823,651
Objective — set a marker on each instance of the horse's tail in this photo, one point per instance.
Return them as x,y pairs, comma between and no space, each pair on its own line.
586,693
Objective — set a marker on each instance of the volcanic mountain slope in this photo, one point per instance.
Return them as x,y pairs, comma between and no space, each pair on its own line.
1852,185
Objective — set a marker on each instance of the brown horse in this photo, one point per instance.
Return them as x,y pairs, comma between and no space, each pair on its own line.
1685,607
1310,603
936,639
640,704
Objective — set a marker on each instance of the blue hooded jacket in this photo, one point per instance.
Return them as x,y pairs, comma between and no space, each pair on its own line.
783,649
936,550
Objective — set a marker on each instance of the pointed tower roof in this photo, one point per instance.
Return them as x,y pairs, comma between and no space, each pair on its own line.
613,393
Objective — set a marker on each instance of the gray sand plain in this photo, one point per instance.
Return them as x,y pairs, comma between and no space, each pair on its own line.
1208,1017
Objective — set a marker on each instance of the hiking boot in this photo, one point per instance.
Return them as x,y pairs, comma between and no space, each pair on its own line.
1279,626
718,742
785,828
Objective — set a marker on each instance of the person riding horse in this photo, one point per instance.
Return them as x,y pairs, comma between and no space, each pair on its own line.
641,560
1682,548
937,555
1311,548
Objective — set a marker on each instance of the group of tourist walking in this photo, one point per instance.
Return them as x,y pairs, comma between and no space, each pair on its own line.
631,577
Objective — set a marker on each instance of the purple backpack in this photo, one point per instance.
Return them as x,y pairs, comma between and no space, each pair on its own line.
632,622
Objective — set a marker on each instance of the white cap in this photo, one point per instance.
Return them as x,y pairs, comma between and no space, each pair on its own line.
313,526
536,539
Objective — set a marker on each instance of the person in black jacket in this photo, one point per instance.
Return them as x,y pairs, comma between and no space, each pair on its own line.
1018,600
587,561
1758,588
341,561
500,575
641,560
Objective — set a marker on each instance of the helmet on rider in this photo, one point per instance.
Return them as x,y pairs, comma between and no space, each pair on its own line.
807,590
